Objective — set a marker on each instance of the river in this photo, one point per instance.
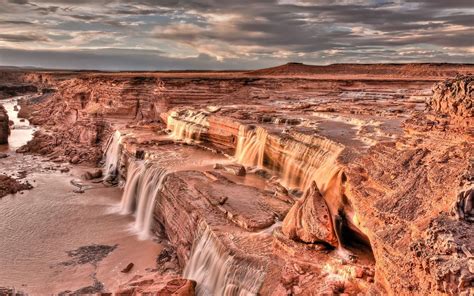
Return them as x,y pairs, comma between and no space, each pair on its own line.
54,240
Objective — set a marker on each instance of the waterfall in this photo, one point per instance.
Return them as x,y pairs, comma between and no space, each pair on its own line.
251,146
218,272
298,159
112,155
305,159
189,126
144,183
134,172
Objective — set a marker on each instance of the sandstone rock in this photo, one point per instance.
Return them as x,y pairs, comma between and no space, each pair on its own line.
75,159
9,185
455,98
153,284
238,170
92,174
309,219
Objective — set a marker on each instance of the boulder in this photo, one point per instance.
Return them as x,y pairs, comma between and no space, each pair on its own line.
309,219
92,175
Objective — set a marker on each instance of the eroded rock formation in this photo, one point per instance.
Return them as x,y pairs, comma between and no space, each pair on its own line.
309,219
455,98
9,185
366,198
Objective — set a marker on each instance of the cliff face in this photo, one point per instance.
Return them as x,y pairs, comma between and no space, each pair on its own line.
455,98
359,173
4,126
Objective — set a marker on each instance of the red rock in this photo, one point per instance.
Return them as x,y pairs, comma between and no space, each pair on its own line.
9,185
309,219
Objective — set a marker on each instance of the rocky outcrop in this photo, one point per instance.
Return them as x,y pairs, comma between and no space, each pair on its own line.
4,126
309,219
9,185
403,196
166,285
455,98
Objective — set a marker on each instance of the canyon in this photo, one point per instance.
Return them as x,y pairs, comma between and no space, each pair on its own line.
294,180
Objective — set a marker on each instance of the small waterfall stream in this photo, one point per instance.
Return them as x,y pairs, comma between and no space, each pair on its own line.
144,183
217,272
112,155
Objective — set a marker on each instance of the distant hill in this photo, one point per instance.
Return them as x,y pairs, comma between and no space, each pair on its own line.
403,70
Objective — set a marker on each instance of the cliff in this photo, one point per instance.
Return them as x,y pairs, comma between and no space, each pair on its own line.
374,196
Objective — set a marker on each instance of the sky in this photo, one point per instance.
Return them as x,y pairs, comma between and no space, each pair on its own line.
222,34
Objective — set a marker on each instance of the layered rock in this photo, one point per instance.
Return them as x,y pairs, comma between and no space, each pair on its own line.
4,126
165,285
391,190
455,98
309,220
403,194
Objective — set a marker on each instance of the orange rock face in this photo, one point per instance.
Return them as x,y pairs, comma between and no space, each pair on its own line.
455,99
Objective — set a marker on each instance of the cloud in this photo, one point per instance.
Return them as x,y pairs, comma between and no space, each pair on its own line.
23,38
256,32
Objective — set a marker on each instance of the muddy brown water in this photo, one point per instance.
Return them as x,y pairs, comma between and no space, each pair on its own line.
53,240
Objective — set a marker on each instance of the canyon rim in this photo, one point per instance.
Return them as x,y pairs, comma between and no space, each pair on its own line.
155,148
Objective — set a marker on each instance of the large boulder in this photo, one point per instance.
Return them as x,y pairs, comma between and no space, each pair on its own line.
309,219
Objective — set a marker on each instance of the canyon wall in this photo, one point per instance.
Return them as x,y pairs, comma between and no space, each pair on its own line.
351,168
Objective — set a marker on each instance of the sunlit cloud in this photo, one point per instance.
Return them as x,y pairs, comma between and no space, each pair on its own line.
233,34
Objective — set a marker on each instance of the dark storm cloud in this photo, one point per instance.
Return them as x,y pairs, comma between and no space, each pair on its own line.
12,22
22,38
256,32
21,2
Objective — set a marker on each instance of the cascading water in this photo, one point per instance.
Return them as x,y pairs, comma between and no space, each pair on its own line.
188,126
305,159
217,272
298,160
134,173
144,183
112,155
251,146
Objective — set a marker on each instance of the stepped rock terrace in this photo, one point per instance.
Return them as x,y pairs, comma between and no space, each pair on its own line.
282,181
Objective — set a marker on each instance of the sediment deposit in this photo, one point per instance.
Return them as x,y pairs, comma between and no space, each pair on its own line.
295,180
